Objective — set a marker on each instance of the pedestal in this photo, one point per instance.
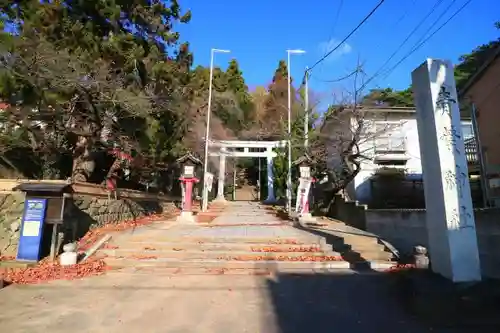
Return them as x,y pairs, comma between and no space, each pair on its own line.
219,200
186,217
449,214
69,256
307,217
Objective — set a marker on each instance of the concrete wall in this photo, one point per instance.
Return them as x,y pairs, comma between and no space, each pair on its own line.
350,212
406,228
88,212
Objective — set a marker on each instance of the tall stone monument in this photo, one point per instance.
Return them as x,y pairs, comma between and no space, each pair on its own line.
450,216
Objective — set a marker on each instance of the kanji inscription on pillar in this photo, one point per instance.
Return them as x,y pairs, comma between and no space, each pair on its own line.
449,212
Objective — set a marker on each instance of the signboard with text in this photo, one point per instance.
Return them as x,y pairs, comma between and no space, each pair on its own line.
302,194
209,181
31,232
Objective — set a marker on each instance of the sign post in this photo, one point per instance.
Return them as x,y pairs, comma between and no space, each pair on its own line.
30,240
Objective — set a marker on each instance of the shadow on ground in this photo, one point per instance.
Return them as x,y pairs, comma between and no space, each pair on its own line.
351,302
339,244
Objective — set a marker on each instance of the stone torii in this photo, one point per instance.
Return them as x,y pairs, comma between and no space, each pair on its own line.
236,148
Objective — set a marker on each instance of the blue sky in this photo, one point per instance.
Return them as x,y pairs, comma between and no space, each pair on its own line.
259,32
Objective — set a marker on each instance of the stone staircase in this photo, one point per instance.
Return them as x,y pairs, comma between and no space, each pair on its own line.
251,242
354,245
204,255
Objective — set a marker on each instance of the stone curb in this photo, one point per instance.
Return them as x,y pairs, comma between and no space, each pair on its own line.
381,265
96,247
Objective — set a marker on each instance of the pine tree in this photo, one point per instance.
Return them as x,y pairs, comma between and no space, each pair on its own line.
108,69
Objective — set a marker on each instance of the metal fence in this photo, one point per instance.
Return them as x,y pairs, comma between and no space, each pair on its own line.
408,194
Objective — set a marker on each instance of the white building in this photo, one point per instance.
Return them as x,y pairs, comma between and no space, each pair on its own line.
389,139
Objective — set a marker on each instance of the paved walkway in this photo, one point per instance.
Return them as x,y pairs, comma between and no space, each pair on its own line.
346,301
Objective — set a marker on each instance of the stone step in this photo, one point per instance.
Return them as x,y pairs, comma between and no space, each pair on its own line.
241,240
242,223
250,217
176,274
179,272
171,272
367,256
254,248
190,254
361,247
224,264
355,239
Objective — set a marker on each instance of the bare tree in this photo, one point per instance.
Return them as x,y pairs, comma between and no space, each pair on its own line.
341,143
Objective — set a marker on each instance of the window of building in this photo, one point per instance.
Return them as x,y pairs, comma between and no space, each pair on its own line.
389,137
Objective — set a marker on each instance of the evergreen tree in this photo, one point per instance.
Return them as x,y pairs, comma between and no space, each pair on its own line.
108,70
236,84
276,113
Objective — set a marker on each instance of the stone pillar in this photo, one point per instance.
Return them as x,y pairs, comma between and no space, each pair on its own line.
222,177
449,213
270,177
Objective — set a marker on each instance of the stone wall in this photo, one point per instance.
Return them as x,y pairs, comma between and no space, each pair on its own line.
406,228
350,212
87,212
11,210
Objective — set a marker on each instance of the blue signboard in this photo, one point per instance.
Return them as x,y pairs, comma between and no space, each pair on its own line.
30,239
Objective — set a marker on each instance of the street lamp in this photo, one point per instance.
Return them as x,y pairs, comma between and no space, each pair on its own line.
306,109
289,178
207,132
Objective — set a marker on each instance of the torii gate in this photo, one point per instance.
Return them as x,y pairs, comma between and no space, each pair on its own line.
236,148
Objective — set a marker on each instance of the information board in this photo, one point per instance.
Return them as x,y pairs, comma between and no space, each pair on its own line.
32,230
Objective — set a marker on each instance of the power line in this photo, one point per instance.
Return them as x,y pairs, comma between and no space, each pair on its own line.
404,14
330,36
419,24
342,78
440,16
393,27
348,36
423,42
339,9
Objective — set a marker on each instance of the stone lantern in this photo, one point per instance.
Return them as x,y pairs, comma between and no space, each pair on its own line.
188,164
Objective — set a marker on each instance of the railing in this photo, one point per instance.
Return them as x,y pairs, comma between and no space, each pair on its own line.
471,151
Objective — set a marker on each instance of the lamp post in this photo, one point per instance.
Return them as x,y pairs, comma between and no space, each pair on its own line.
289,178
207,132
306,109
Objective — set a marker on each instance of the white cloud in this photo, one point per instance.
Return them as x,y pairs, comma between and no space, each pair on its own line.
326,47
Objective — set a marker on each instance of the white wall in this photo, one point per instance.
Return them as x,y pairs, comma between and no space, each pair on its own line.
360,190
408,124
